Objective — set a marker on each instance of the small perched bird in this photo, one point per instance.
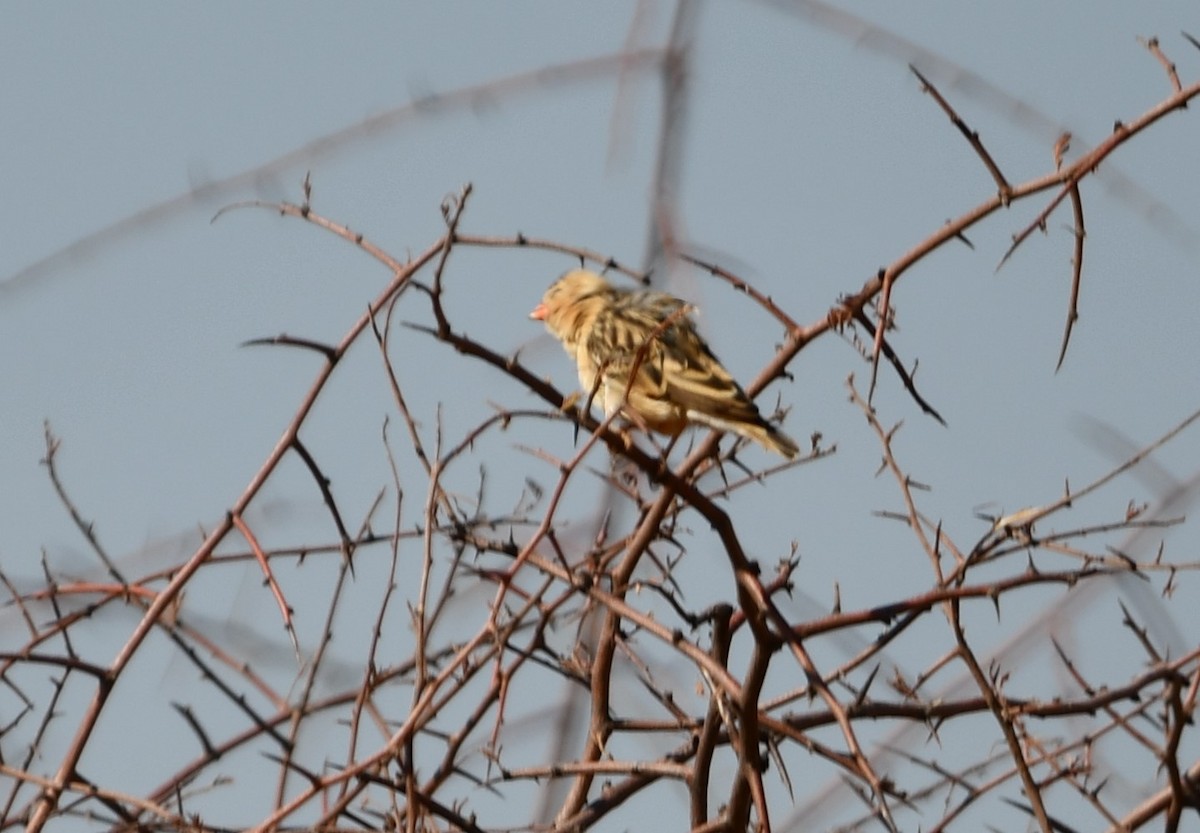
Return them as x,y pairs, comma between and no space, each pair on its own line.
678,381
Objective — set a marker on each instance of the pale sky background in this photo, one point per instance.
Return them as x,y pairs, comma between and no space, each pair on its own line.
811,159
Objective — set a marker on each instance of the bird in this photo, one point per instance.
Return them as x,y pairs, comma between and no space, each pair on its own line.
678,381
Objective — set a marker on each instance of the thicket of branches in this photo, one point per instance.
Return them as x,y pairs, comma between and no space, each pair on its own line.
516,677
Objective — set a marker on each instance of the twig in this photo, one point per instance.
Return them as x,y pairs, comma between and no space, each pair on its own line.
1076,274
971,136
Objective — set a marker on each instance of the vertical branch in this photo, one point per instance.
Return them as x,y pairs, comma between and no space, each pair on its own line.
1076,273
663,235
999,711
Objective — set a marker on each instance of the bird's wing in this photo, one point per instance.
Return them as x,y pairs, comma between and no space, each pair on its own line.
626,322
677,366
696,380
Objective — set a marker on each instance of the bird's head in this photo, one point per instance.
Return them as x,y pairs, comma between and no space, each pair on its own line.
564,295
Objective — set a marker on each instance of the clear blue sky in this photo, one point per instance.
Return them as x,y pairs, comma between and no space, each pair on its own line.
811,159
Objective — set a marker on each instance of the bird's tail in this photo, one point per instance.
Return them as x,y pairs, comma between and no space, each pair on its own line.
761,431
772,439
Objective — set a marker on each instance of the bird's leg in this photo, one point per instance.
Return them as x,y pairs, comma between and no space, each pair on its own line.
636,420
626,435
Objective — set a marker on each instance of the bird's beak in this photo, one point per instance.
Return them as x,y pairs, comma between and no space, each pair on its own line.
539,313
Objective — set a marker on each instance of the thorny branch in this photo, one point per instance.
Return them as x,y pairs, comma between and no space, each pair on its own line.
505,609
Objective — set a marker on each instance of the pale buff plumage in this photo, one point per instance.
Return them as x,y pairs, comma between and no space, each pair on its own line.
679,380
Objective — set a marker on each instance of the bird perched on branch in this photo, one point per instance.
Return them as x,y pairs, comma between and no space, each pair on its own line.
613,334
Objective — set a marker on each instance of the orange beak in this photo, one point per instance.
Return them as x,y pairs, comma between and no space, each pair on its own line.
539,313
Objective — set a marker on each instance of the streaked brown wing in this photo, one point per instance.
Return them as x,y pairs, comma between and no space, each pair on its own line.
624,326
697,381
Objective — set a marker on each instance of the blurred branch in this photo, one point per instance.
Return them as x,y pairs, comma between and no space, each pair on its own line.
323,147
500,609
